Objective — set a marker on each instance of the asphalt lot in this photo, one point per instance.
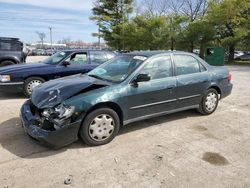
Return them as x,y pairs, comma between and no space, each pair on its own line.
178,150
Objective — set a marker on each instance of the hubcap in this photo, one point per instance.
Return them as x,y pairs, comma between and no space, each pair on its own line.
211,101
32,84
102,127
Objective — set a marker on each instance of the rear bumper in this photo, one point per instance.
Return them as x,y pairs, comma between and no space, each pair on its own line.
226,90
54,139
11,87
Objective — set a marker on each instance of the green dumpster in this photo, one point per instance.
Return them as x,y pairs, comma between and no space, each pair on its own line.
215,56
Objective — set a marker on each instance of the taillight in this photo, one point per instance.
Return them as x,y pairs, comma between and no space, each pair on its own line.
229,77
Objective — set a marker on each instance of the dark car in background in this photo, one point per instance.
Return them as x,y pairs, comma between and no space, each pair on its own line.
244,57
11,51
23,78
130,87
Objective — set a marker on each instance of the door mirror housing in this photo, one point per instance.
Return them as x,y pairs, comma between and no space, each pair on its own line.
142,78
65,63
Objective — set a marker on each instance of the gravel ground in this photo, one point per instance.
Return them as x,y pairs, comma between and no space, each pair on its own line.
178,150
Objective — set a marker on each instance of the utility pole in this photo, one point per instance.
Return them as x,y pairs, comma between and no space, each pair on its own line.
50,29
99,36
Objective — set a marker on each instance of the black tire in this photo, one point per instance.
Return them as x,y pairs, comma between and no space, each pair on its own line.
85,130
203,108
26,87
6,62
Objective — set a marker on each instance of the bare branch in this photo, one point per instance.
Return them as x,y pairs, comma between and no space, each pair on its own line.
155,7
175,6
194,8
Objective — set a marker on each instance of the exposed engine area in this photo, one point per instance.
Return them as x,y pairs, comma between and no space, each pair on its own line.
59,116
53,118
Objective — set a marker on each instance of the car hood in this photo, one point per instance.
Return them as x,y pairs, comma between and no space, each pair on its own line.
54,92
21,67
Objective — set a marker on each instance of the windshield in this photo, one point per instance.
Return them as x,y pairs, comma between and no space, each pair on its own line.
56,58
118,68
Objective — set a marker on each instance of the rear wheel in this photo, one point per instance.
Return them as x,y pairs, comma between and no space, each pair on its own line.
7,62
100,127
209,102
30,84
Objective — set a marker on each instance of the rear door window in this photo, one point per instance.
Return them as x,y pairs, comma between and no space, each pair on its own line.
186,64
98,57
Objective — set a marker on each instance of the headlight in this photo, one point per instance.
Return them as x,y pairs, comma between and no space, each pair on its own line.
65,112
59,116
61,112
4,78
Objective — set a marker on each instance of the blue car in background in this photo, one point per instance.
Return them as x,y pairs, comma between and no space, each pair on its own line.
23,78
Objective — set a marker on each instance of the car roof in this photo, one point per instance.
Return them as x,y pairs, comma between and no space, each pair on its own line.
155,52
85,50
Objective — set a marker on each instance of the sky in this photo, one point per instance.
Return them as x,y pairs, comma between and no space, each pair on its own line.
68,18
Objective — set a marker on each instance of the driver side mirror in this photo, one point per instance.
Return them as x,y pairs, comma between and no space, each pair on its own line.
65,63
142,78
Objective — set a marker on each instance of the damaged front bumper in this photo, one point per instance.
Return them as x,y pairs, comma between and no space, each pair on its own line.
51,138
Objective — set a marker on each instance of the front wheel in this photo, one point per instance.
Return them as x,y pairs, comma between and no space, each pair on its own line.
209,102
100,127
6,62
30,84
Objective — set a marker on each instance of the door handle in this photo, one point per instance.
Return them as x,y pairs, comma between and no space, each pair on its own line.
171,87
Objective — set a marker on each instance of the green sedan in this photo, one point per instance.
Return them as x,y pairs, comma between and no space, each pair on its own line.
131,87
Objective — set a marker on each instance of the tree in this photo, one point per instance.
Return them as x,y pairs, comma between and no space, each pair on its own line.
198,33
41,36
194,9
183,25
146,33
111,16
175,27
178,13
155,7
244,44
230,18
98,35
175,6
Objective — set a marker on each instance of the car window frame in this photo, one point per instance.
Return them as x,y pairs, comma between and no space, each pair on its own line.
79,53
73,53
199,63
137,72
129,75
91,54
70,54
60,63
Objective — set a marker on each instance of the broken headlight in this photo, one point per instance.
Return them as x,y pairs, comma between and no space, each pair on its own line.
59,115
